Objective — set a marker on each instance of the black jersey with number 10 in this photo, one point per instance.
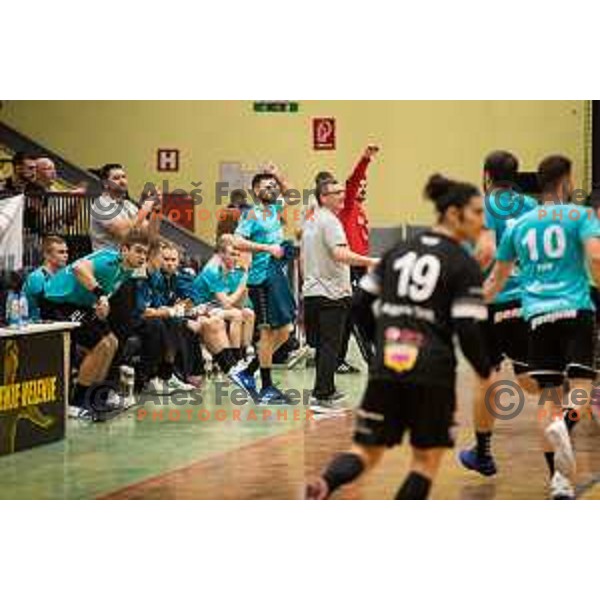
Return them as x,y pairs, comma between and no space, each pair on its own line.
422,285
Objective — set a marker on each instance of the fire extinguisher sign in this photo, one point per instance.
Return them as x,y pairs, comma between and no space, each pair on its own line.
324,133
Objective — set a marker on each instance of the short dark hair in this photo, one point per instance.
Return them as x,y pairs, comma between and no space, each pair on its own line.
501,166
136,236
260,177
20,157
49,241
323,176
322,188
104,172
551,170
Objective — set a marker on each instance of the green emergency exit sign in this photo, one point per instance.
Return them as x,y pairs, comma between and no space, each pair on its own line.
279,106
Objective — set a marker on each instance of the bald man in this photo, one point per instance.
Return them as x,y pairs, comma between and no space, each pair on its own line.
45,173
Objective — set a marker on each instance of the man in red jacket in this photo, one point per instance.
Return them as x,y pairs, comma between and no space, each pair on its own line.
356,225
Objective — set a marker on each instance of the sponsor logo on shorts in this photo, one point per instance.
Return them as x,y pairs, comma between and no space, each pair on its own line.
553,318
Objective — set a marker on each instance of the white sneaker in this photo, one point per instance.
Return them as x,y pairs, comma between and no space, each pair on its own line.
78,412
129,401
114,400
156,387
176,385
561,488
558,435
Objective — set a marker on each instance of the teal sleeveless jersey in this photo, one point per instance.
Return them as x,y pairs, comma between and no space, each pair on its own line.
548,244
503,207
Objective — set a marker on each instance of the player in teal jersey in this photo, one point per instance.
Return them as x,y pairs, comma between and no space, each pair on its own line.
221,285
553,245
56,255
260,231
80,293
505,330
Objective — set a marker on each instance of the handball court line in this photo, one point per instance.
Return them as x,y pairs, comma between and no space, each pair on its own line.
276,467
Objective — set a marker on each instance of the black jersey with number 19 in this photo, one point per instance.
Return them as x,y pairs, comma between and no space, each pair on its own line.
423,286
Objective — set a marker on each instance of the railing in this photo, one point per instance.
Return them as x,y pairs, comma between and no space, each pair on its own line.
66,215
74,175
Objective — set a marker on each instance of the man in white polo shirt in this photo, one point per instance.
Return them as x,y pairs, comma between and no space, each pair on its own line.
113,215
327,291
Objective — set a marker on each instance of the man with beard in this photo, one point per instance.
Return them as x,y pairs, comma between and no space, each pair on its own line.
113,214
260,232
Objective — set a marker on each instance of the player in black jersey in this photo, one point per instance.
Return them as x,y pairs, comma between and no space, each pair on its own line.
421,293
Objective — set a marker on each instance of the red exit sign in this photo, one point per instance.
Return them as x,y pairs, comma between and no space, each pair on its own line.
324,133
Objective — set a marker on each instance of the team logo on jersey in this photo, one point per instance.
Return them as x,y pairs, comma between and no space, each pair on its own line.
400,357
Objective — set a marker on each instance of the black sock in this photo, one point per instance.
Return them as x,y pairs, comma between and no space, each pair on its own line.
165,371
225,360
415,487
253,366
549,456
237,353
265,377
484,439
79,394
342,470
569,421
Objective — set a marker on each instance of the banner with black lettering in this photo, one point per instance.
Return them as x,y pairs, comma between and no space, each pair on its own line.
32,390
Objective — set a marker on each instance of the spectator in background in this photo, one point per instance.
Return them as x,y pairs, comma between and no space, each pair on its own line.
23,176
327,288
113,215
56,256
45,174
46,178
46,182
356,225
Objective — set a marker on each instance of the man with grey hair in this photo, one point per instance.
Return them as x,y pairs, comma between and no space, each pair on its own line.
327,290
45,173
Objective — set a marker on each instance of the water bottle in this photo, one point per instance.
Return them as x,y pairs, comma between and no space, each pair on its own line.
13,309
23,309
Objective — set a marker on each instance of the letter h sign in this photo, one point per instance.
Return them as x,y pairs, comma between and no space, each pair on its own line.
167,160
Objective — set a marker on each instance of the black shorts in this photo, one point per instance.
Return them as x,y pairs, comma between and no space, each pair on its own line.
259,295
390,408
595,296
562,345
91,329
507,336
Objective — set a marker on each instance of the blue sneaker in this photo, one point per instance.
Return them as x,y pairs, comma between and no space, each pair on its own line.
273,395
470,460
243,379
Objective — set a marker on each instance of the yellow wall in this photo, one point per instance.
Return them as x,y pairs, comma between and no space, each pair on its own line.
416,138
